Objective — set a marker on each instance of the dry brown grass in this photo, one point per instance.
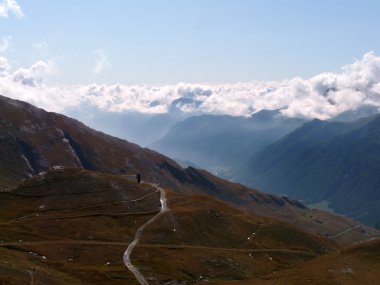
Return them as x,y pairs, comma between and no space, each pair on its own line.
85,223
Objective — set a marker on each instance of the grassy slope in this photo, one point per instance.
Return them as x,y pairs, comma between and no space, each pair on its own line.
356,265
72,241
282,208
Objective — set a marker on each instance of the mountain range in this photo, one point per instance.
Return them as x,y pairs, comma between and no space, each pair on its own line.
34,141
335,164
220,143
69,208
327,164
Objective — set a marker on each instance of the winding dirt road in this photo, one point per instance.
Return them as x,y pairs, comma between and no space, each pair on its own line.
127,254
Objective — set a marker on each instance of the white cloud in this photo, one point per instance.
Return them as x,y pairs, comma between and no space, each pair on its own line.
322,96
7,6
101,61
5,44
34,75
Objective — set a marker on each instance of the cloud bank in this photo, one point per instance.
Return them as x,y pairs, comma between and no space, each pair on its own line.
7,6
322,96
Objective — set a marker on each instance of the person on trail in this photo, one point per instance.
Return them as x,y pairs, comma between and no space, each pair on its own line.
138,178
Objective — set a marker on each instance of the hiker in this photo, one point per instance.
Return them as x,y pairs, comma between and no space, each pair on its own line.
138,178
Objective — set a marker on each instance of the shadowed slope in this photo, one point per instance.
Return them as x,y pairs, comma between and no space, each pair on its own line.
330,162
33,140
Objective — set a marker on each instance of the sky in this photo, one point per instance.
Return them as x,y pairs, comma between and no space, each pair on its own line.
171,41
309,58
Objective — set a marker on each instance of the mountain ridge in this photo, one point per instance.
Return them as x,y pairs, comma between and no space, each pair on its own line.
50,147
220,143
324,161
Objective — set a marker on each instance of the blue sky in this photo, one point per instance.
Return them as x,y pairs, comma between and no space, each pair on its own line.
310,59
170,41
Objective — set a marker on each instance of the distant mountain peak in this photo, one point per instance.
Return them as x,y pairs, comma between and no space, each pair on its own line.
360,112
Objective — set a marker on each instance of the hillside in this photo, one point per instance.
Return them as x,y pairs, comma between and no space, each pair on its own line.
339,228
220,144
355,265
72,226
33,141
333,163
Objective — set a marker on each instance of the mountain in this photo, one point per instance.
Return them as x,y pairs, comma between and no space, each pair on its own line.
70,208
331,163
140,128
356,114
33,141
220,144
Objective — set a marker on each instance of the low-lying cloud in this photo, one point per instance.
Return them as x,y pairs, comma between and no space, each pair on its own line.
322,96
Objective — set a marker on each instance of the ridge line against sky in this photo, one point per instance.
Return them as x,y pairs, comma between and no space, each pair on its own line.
33,69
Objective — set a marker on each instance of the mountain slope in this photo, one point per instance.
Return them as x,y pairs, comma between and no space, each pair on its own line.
337,227
337,163
32,140
72,226
221,143
359,264
356,265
